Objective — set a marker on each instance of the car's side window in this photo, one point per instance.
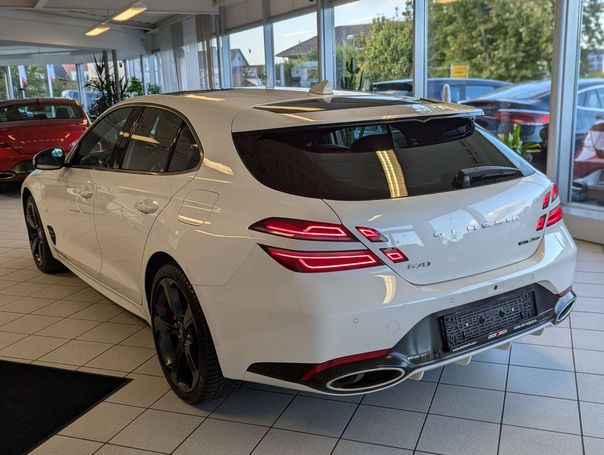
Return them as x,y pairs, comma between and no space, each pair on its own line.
186,154
98,145
152,141
591,99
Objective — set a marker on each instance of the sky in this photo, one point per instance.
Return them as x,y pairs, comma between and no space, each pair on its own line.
290,32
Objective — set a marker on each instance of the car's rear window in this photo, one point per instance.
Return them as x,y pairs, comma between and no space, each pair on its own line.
39,111
372,161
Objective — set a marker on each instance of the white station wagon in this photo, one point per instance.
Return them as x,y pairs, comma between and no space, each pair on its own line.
324,241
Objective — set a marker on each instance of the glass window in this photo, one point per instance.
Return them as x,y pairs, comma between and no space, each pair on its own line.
376,160
506,43
587,161
186,152
151,141
98,145
39,111
374,43
247,58
296,54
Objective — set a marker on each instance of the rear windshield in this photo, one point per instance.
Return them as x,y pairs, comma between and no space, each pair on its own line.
373,161
39,111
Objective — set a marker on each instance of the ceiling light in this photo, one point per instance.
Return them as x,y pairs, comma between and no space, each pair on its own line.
98,29
128,13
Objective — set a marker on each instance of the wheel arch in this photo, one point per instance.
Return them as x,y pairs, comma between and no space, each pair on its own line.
154,263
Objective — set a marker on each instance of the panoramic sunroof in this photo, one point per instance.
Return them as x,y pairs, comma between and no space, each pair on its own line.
332,104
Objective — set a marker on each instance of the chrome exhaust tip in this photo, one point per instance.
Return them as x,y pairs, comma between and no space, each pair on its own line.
366,380
564,306
7,175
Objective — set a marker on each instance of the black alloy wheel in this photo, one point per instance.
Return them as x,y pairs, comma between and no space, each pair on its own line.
182,338
176,335
40,249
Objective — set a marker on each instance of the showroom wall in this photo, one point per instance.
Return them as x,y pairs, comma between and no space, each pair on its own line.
411,44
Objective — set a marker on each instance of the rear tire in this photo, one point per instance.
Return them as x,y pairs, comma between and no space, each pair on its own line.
38,243
182,339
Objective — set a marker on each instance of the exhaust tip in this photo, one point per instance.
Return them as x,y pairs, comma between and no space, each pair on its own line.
6,175
365,380
564,307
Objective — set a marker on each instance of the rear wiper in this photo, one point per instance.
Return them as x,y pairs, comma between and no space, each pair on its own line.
465,177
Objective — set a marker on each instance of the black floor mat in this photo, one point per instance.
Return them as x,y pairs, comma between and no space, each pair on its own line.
37,402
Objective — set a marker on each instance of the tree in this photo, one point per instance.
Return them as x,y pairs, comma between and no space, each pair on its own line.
387,51
592,36
499,39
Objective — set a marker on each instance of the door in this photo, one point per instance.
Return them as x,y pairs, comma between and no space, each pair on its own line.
159,158
70,194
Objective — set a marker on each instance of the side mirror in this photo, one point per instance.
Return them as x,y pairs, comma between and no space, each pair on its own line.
50,159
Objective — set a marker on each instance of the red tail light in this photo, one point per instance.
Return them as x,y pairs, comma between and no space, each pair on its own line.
395,255
546,200
373,235
554,216
304,230
541,223
554,193
523,117
343,361
323,261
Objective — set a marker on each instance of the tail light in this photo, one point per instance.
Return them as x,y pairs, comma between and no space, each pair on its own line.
554,216
373,235
541,222
323,261
343,361
395,255
523,117
546,200
554,193
304,230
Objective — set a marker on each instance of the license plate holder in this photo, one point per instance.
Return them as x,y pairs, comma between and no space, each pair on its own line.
500,316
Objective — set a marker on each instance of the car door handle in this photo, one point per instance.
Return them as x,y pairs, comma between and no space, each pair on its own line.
146,206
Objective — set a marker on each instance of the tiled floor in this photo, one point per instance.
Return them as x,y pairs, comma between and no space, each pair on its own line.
545,396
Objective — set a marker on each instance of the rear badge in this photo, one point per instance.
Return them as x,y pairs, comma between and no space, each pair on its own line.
532,239
419,265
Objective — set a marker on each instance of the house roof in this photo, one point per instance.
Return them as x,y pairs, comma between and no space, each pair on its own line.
342,34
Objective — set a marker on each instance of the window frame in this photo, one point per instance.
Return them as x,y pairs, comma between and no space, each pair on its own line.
137,112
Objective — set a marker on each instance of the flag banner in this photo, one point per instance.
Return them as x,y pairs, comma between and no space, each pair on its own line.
23,75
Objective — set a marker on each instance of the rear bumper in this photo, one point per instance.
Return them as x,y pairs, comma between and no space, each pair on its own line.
422,349
268,315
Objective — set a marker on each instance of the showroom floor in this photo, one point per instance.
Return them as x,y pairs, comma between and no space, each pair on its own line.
538,398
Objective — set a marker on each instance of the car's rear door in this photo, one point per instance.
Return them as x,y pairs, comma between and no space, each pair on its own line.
158,158
69,193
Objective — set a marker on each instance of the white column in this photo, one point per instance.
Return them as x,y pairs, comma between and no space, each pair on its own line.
269,45
420,48
326,41
567,54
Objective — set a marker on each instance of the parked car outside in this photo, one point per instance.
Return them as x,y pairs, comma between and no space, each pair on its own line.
327,242
588,171
91,95
528,105
28,126
459,88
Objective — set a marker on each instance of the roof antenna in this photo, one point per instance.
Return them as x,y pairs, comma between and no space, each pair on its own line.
321,88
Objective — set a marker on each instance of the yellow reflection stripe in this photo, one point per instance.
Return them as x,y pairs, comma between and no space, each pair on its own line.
393,172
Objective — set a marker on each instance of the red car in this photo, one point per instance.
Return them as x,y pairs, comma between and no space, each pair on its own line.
28,126
588,171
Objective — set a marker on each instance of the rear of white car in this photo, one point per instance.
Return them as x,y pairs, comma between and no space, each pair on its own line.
418,241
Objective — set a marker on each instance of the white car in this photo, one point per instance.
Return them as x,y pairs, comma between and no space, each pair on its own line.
331,242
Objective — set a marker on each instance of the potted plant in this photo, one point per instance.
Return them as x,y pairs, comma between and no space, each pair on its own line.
522,148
